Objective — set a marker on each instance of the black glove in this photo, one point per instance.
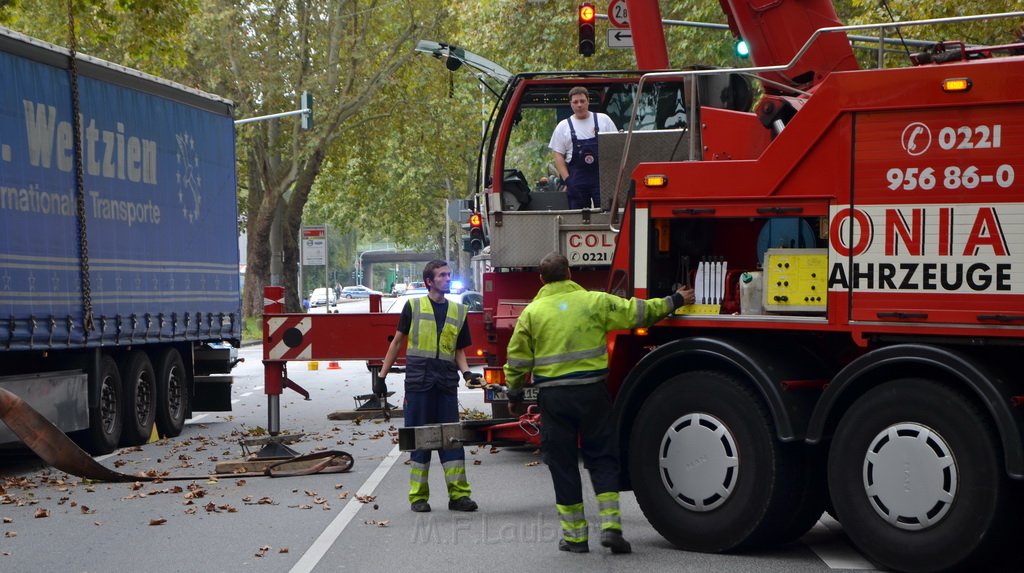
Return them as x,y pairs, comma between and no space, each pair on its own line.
473,380
380,387
516,406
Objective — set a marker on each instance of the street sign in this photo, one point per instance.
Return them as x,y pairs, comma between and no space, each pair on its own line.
314,246
617,14
459,210
620,38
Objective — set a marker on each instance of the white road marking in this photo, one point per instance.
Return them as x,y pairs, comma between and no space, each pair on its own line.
195,419
319,548
246,394
835,551
236,400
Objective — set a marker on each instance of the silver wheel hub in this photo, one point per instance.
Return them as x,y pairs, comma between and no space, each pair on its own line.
698,462
910,476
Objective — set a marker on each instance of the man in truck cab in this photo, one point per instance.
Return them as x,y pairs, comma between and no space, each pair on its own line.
574,148
562,337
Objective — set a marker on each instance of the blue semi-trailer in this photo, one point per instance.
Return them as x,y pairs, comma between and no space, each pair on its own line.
119,276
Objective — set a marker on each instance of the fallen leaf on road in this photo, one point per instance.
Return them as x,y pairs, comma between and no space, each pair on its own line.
494,450
136,486
8,520
531,464
343,495
239,482
477,462
283,550
366,498
263,551
382,523
10,534
190,511
41,512
86,511
158,521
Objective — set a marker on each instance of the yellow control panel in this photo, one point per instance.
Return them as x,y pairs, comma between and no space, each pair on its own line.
795,280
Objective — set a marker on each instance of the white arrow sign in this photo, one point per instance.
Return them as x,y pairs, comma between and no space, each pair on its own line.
620,38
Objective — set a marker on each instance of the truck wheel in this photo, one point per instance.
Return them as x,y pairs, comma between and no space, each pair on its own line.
139,398
707,470
171,393
106,418
916,477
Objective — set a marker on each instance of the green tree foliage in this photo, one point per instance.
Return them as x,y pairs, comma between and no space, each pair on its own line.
267,53
142,34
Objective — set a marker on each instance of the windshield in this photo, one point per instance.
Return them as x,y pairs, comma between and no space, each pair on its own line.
532,107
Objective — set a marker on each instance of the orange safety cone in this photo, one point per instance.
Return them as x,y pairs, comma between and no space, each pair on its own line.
334,366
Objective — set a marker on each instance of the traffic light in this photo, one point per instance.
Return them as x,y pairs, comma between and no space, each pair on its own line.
476,240
307,115
587,17
742,49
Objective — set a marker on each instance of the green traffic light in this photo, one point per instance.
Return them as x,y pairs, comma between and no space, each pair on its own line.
742,49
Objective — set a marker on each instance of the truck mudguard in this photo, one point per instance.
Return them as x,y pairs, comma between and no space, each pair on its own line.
910,360
765,365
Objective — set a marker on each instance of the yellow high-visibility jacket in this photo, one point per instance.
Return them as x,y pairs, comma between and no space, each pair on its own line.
562,336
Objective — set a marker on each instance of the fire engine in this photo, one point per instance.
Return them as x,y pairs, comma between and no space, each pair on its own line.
854,241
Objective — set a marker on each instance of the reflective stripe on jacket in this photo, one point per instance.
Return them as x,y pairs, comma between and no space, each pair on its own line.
562,336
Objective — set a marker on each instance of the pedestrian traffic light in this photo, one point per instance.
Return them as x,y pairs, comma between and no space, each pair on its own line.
476,241
587,17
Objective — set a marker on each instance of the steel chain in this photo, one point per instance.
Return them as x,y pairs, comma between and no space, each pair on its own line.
76,122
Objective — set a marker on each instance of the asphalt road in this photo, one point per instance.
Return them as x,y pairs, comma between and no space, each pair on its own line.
357,521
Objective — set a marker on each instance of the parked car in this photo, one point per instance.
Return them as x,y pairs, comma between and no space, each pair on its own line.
470,298
358,291
322,296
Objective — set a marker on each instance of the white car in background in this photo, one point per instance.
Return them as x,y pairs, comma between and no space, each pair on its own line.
322,296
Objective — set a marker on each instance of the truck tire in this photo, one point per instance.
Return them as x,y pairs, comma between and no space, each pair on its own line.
916,476
709,473
139,398
171,393
106,419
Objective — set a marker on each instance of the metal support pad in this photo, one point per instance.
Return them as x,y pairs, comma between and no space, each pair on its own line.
436,437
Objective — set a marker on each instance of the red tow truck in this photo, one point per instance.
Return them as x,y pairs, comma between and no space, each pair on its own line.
855,239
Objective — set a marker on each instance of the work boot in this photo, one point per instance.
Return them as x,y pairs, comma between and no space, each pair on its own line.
613,539
462,504
573,546
420,506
